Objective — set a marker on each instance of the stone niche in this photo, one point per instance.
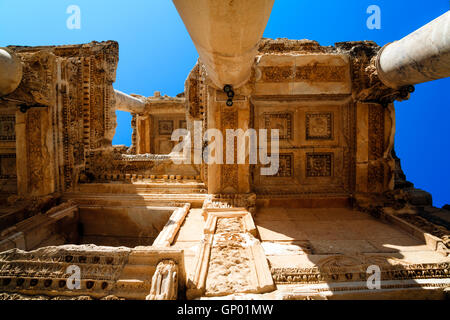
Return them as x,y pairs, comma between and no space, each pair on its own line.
152,129
69,223
122,226
162,131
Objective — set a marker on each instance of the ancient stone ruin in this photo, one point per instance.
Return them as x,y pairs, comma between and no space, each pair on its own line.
145,223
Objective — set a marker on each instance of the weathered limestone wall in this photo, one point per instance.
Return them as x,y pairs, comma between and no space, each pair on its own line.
67,100
35,154
375,140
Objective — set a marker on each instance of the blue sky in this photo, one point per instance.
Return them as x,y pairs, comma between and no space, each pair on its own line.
156,54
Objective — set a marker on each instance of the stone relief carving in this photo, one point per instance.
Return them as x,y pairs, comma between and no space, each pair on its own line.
46,268
309,73
35,154
281,122
87,73
247,201
277,74
323,73
286,166
230,175
319,164
376,132
37,86
354,268
319,126
164,282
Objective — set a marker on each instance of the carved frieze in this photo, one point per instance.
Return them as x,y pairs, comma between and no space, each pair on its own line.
89,72
237,200
359,273
322,73
346,268
310,73
376,131
196,91
277,74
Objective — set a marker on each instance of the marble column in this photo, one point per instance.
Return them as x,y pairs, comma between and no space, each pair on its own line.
226,35
10,72
422,56
125,102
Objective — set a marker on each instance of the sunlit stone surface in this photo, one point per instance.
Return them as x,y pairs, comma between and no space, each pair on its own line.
137,225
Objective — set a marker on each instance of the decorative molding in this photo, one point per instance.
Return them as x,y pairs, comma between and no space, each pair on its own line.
229,236
170,230
308,73
277,74
359,273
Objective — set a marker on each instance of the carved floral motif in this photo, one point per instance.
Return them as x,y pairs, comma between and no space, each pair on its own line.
319,164
319,126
